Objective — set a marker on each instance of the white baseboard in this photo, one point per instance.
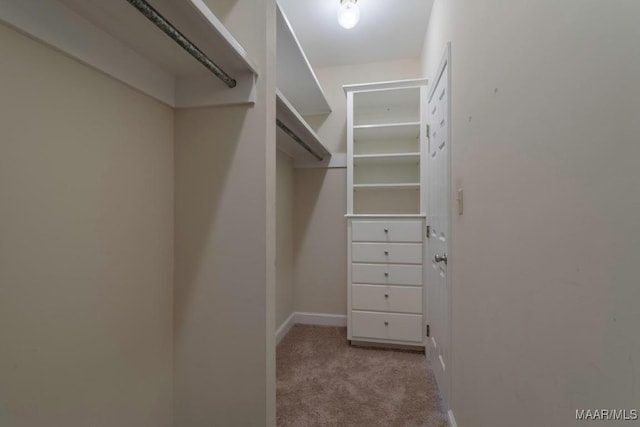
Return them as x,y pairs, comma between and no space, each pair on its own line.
321,319
452,420
285,327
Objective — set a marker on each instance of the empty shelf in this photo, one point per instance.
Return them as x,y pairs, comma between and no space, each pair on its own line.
296,137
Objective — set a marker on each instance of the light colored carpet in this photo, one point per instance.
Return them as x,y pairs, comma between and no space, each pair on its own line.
323,381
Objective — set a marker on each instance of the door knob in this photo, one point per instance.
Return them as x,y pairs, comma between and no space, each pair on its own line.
440,258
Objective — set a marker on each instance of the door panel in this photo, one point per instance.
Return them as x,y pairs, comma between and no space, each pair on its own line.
438,290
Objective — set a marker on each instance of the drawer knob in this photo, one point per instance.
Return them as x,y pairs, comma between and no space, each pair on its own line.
386,274
386,252
386,230
386,295
386,323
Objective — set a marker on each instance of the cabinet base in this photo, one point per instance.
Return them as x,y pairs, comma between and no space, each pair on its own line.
392,346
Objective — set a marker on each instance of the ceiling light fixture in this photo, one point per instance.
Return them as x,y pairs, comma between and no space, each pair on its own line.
348,13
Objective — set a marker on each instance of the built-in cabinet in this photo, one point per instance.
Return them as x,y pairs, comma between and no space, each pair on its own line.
385,211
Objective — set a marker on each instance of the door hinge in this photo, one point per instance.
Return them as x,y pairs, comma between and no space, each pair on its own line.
428,331
428,230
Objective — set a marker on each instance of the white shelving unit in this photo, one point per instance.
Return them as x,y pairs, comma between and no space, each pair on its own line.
299,94
384,154
115,38
385,211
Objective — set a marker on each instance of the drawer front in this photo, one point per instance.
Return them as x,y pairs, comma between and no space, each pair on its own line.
387,274
386,326
386,231
408,253
402,299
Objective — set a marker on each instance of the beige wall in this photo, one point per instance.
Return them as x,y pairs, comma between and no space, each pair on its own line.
86,243
284,238
320,200
226,242
544,265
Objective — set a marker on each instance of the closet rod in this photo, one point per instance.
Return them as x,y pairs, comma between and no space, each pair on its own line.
161,22
297,139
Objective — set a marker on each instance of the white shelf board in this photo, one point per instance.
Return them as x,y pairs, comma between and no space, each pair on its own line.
294,76
287,114
405,186
385,215
391,158
115,38
395,84
387,131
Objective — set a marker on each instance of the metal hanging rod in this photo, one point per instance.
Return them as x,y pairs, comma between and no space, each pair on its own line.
297,139
161,22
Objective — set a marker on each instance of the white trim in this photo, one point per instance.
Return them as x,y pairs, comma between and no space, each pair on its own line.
301,318
404,216
321,319
286,326
452,420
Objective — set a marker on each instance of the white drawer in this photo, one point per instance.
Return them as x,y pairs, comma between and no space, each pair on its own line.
386,231
386,326
386,274
402,299
409,253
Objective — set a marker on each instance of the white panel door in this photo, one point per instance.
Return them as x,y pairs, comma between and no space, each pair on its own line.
438,291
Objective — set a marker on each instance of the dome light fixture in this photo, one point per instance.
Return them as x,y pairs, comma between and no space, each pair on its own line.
348,13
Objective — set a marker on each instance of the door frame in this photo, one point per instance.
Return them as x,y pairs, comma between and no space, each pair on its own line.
445,62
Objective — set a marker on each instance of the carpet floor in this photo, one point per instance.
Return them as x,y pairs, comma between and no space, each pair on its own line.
324,381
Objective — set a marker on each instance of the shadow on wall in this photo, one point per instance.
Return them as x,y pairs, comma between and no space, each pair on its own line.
206,143
306,199
333,122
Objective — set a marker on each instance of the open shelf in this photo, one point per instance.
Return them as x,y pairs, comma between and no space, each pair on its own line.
288,116
387,200
118,40
294,76
387,131
298,94
385,164
407,186
386,158
383,215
